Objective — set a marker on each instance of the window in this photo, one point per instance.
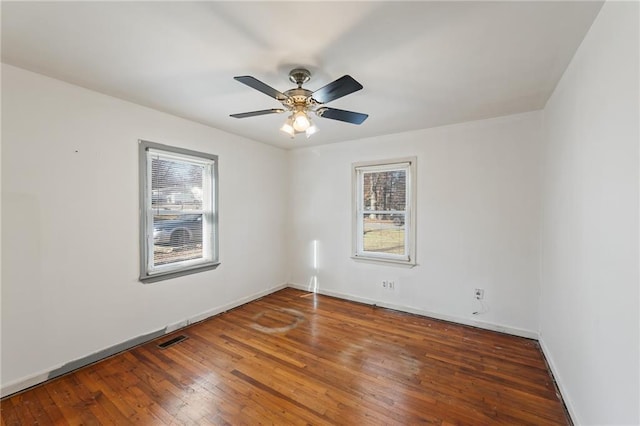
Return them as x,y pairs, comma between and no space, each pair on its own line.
384,207
178,212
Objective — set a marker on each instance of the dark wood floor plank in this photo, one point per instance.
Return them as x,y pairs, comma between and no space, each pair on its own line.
71,406
84,399
17,411
9,413
114,376
54,414
299,358
104,395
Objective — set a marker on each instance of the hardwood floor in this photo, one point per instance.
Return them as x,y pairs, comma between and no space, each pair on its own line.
300,358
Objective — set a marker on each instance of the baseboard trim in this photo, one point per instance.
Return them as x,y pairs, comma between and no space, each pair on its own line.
25,383
35,379
458,320
564,393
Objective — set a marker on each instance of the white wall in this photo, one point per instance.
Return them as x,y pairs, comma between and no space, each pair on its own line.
477,222
70,224
589,280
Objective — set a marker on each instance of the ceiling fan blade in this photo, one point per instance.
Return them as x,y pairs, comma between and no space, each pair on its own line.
254,113
336,89
342,115
262,87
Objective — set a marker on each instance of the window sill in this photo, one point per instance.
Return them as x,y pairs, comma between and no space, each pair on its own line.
380,261
178,273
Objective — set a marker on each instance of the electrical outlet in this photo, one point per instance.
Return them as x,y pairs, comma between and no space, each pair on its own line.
479,293
389,285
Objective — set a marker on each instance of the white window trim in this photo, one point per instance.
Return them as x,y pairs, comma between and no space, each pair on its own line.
410,216
149,273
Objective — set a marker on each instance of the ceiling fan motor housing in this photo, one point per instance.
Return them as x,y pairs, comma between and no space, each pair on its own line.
298,98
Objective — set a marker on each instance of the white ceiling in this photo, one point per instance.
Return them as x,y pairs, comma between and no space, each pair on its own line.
422,64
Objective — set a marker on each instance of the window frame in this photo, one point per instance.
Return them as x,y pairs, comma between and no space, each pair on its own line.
185,267
357,172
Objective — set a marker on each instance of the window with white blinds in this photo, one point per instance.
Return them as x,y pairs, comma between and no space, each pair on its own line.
178,214
384,211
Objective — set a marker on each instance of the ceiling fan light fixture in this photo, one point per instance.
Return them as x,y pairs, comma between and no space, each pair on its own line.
300,121
287,127
311,130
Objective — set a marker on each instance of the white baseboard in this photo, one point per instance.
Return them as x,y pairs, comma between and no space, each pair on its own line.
43,376
213,312
556,376
24,383
474,323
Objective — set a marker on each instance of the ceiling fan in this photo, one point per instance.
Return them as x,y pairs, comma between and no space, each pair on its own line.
300,102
